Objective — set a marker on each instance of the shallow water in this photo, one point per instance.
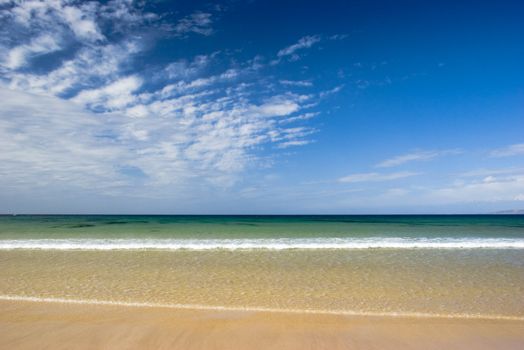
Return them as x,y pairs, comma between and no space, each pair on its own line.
461,279
487,282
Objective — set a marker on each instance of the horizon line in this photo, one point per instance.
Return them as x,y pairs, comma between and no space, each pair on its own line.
503,212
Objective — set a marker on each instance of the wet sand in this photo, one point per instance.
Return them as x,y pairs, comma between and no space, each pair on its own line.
42,325
447,282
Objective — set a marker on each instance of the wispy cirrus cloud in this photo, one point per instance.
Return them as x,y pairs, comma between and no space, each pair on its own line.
187,69
303,83
488,189
491,172
303,43
414,156
98,115
376,177
512,150
198,22
291,52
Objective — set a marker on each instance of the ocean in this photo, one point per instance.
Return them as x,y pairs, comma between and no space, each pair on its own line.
419,265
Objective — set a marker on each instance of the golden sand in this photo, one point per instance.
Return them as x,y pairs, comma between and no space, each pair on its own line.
42,325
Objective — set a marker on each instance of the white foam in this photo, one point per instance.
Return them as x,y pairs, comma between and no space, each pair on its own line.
259,309
264,243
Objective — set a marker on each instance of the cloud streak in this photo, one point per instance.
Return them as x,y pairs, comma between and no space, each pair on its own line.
489,189
198,22
415,156
303,43
376,177
509,151
292,52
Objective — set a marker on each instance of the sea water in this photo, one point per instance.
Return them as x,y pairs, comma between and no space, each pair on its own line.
450,266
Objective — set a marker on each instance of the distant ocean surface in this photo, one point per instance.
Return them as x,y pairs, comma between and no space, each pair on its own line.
456,265
261,232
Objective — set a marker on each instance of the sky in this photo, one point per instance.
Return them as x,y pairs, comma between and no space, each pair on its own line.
261,107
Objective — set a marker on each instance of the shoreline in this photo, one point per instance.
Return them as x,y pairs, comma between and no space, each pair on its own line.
218,308
30,325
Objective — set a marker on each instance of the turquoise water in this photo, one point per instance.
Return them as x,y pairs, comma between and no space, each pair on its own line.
123,226
270,232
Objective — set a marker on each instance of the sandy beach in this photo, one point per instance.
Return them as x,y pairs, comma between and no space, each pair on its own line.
68,283
44,325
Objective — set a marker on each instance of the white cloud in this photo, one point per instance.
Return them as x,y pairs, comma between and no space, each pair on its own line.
302,83
280,106
338,36
81,21
491,172
74,27
138,111
489,189
519,197
168,140
331,91
303,43
17,56
415,156
512,150
299,117
47,141
198,22
396,192
66,18
488,192
97,110
376,177
183,69
114,96
91,66
292,143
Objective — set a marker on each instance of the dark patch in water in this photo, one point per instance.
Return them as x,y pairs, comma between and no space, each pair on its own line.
82,225
126,222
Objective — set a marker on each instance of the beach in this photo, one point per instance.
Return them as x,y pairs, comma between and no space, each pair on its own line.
262,282
50,325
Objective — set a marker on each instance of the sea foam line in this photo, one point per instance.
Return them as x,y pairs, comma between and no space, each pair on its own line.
259,309
263,243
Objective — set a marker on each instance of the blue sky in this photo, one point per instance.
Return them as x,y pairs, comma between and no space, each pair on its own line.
261,107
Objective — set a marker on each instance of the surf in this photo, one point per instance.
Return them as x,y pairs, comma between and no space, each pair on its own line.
263,244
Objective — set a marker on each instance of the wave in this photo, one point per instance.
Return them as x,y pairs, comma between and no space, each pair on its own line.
263,243
259,309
